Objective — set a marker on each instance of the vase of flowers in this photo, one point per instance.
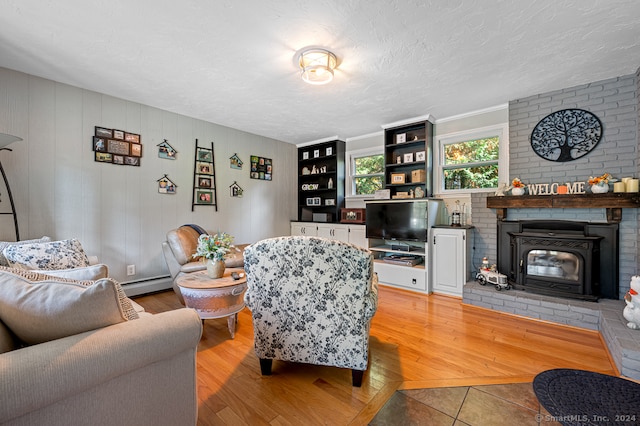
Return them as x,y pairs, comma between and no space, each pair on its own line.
212,249
517,187
600,184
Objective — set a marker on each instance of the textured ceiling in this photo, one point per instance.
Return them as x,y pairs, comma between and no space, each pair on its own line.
232,62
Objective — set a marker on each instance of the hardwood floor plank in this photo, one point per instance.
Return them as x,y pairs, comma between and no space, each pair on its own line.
417,341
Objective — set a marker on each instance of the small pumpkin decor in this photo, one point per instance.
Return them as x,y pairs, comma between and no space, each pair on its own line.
517,187
212,249
600,184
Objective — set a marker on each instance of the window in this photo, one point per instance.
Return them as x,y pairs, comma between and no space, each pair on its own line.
366,172
472,160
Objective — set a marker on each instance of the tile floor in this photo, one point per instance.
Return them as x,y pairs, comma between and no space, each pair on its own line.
491,405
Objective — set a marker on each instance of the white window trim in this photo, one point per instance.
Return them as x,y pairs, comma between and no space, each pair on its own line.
350,186
500,130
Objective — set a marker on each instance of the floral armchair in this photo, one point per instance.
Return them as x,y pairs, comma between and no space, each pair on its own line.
312,300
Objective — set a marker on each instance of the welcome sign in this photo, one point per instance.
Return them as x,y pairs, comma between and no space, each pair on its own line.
552,188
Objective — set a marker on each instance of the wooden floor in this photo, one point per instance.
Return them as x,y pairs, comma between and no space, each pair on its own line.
417,341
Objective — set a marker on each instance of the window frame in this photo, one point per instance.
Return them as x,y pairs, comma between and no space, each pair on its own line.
500,130
350,182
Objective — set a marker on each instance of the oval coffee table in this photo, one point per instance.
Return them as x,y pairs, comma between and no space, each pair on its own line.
215,297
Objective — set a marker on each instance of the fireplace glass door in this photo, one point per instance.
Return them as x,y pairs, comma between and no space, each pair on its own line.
553,264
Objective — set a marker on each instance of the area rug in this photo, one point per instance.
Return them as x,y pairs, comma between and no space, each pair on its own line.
577,397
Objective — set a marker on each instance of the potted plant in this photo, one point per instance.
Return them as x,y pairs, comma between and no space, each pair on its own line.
517,187
212,249
600,184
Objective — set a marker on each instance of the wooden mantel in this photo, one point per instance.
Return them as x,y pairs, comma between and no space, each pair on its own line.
614,202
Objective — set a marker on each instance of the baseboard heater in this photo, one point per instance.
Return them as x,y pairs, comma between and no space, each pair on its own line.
147,285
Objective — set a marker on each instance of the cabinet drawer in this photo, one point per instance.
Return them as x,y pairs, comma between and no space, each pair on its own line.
413,278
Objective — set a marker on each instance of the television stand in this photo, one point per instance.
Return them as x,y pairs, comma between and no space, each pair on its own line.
401,264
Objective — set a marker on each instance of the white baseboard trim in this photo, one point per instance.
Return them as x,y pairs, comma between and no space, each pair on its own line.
147,286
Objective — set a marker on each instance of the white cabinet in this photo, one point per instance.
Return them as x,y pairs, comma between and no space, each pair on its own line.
333,231
354,234
304,228
450,251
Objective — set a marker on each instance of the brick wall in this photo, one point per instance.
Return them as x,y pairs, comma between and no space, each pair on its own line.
615,103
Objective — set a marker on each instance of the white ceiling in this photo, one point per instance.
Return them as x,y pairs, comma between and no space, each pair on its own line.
232,62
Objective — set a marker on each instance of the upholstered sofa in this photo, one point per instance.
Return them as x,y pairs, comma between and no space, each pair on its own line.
74,350
312,300
180,247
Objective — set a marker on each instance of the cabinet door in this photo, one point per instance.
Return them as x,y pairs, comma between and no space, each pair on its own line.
304,228
357,235
449,260
334,232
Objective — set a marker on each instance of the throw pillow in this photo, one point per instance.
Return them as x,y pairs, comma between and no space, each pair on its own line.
4,244
64,254
38,308
89,273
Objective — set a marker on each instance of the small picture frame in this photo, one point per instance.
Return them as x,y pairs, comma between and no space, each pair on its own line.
104,157
204,154
132,161
118,134
132,137
99,144
401,138
204,197
136,150
118,159
316,153
408,157
397,177
305,155
103,132
204,168
329,151
420,156
204,182
329,202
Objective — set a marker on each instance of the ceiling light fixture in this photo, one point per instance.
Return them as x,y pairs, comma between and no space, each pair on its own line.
317,65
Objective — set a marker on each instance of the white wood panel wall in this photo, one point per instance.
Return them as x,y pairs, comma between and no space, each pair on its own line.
116,211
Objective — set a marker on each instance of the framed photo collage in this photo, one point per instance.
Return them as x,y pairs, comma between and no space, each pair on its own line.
117,147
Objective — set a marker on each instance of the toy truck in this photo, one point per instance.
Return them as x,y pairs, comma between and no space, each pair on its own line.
485,276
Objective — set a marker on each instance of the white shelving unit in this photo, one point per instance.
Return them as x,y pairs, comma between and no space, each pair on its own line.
349,233
404,276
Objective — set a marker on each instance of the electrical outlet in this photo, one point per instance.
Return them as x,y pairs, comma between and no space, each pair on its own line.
131,270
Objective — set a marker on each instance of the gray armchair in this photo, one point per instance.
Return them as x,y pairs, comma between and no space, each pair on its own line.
180,247
312,300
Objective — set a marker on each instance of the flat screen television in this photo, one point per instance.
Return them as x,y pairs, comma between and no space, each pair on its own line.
405,220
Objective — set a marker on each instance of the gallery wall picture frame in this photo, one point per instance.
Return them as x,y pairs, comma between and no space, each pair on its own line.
132,161
124,148
166,185
204,197
305,155
235,190
136,150
329,151
204,154
420,156
261,168
408,157
204,168
99,144
103,157
235,162
103,132
205,182
166,151
132,137
117,147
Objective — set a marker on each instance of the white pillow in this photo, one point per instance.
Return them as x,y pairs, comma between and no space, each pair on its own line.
88,273
38,308
64,254
4,244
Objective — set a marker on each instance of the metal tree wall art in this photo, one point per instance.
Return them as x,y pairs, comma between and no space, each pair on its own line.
566,135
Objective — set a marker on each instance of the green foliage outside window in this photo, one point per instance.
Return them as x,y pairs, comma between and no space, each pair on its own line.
471,164
368,174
